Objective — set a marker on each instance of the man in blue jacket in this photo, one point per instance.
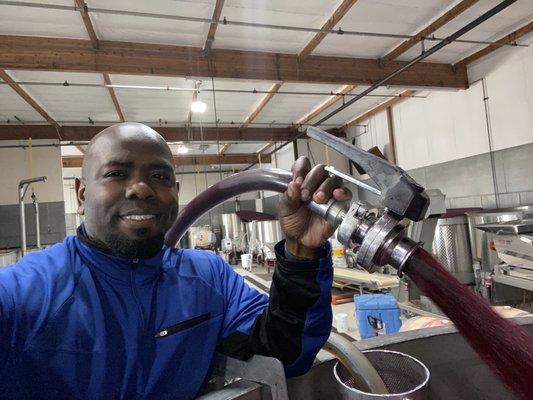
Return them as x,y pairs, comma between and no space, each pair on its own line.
112,313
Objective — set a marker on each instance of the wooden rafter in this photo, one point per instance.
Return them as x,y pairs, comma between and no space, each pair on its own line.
259,107
52,54
439,22
392,139
380,107
337,15
219,4
87,22
81,149
113,95
96,43
207,159
264,148
171,134
326,104
28,99
224,148
510,38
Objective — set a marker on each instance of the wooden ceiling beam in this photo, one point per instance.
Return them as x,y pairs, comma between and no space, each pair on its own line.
207,159
52,54
113,95
380,107
427,31
217,12
171,134
326,104
264,148
224,148
259,107
96,43
510,38
87,22
28,99
337,15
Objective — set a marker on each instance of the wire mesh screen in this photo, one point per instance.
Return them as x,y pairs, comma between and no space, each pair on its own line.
400,373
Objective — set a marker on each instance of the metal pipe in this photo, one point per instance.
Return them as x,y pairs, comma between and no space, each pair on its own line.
446,41
181,89
37,225
225,21
23,187
365,375
22,222
37,222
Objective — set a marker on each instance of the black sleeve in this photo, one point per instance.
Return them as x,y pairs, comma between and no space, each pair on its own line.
297,321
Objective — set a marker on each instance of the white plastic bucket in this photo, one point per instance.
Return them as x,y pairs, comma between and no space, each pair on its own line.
341,320
246,260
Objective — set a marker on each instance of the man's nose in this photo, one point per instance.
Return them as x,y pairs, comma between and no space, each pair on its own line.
139,189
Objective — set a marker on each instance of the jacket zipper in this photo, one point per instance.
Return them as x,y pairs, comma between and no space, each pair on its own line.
187,324
134,266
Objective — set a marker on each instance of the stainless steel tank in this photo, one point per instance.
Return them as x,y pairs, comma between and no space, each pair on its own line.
480,239
451,246
231,226
271,231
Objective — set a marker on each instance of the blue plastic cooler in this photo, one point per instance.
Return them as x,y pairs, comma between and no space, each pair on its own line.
379,309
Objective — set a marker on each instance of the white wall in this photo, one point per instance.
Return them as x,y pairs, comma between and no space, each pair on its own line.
447,126
18,163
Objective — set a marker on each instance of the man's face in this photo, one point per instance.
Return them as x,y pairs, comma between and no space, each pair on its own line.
129,194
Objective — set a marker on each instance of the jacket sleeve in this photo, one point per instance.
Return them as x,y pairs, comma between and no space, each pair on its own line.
297,321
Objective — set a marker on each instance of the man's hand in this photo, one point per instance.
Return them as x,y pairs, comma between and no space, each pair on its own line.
305,231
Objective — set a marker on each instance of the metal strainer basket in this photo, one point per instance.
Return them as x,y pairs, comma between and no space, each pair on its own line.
405,376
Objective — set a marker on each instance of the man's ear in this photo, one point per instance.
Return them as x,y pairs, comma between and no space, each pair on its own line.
80,195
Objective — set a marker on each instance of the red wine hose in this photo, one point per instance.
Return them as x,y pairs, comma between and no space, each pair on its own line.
503,345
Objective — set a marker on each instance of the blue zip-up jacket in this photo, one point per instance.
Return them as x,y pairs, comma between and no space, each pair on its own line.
76,322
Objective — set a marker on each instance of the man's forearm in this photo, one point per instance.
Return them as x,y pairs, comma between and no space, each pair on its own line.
299,304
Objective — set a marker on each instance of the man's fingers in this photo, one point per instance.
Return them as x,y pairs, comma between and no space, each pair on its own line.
290,201
342,194
325,190
300,169
312,181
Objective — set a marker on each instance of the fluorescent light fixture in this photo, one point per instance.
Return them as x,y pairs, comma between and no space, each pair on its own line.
198,106
183,149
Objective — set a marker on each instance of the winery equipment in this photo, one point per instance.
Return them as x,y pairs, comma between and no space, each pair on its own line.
232,237
451,246
513,242
480,239
23,188
380,240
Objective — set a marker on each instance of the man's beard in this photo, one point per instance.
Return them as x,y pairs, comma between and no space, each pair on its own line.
128,248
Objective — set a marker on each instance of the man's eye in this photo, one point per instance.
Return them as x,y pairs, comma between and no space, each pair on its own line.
161,177
115,174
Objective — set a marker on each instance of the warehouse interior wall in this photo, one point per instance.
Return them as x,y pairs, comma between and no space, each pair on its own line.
475,145
20,163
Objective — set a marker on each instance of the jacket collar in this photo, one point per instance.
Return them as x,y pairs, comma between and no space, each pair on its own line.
101,261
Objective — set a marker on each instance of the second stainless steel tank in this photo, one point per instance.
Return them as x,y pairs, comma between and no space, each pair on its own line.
231,226
271,231
451,246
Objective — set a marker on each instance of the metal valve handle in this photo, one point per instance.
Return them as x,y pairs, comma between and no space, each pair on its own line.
399,192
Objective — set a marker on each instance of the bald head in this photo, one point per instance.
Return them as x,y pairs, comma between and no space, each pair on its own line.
118,134
128,190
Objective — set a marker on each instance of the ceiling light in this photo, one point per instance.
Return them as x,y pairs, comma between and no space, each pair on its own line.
198,106
183,149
